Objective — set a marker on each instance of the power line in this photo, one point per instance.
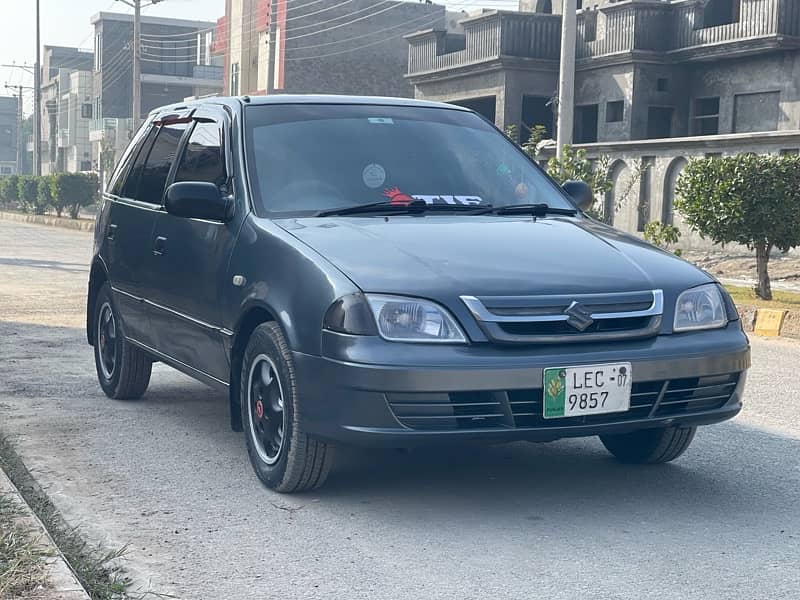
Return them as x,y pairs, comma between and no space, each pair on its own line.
425,17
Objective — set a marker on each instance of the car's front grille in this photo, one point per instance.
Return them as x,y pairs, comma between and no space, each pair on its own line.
568,318
523,408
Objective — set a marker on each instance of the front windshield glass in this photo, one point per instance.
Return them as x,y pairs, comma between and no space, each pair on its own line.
305,158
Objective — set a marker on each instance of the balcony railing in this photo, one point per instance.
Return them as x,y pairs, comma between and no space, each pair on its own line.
625,26
485,38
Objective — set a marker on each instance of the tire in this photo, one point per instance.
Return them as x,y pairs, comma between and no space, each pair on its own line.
649,446
285,458
122,369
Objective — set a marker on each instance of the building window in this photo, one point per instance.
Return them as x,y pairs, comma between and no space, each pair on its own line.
659,122
98,52
720,12
790,152
234,91
615,111
6,170
586,124
662,84
756,112
706,116
86,111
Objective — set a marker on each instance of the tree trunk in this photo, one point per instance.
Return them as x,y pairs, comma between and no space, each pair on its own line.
763,289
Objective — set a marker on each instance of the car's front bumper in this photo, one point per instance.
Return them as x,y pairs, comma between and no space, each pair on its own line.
687,379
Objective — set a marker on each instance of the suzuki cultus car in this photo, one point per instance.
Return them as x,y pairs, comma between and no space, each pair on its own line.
394,272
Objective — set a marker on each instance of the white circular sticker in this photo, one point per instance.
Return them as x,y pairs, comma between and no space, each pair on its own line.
373,175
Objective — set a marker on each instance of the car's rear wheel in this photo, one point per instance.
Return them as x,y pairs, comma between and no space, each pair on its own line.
649,446
122,369
283,455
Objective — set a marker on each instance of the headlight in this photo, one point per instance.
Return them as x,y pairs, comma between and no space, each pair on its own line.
700,308
413,320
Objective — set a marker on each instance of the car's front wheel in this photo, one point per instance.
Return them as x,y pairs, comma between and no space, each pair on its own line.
122,369
649,446
283,455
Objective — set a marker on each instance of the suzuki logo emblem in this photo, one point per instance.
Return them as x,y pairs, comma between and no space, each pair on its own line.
578,316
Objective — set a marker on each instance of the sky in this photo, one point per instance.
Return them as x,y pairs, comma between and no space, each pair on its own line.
66,23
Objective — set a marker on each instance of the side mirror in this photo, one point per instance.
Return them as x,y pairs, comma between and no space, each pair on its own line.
580,192
197,200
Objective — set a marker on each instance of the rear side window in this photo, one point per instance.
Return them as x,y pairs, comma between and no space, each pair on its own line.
159,161
202,159
141,146
129,183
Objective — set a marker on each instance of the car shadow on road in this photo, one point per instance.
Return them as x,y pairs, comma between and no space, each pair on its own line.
729,465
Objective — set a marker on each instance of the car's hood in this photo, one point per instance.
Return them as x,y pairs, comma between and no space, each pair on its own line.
447,256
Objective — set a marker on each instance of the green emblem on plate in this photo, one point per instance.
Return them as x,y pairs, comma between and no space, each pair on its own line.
554,392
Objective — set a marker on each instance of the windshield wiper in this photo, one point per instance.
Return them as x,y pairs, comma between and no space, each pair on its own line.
537,210
415,207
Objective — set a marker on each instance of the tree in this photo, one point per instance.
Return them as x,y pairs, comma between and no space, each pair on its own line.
746,199
28,191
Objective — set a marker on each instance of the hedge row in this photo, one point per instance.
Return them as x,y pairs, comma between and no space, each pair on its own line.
60,192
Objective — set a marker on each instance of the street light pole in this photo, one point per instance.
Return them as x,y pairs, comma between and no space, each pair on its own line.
273,46
566,79
37,101
137,66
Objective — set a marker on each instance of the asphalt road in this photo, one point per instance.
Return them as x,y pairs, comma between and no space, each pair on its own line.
166,476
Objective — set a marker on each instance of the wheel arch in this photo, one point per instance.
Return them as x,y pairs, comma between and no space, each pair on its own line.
253,316
98,275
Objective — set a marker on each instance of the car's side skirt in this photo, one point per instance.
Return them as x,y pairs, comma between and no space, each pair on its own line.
201,376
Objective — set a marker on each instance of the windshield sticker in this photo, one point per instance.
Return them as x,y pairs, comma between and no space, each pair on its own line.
373,175
397,197
380,121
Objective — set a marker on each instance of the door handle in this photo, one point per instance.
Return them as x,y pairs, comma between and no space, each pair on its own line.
111,232
160,246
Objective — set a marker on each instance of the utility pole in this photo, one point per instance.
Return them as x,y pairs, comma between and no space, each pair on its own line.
273,32
566,79
137,65
136,109
20,115
37,101
18,89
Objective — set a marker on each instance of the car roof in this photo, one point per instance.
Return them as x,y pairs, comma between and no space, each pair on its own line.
237,101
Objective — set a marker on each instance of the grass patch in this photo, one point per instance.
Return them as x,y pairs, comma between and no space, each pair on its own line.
98,570
22,572
780,298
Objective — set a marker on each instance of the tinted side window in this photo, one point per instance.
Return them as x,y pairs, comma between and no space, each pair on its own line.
202,159
159,162
140,146
130,183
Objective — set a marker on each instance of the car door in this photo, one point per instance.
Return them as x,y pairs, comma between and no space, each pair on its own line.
127,236
192,264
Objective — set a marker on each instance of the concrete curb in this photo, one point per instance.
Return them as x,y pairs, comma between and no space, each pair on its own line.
770,322
76,224
63,584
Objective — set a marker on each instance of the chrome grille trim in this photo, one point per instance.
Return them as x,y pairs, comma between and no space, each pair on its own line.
547,319
480,312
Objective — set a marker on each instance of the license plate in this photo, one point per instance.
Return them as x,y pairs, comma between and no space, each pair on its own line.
588,390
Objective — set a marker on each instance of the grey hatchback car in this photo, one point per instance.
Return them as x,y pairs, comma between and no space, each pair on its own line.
393,272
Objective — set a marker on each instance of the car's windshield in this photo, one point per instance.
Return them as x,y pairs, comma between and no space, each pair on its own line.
306,158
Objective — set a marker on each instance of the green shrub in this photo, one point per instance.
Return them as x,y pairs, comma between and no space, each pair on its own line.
28,190
8,190
43,198
71,191
662,235
747,199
